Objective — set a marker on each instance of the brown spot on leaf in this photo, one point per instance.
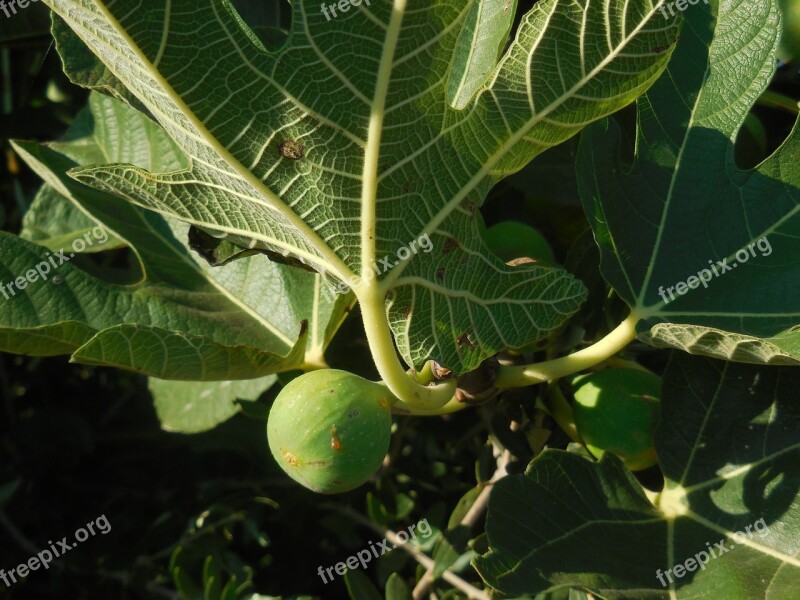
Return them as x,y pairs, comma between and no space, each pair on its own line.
450,244
303,326
522,260
440,372
465,340
292,149
440,273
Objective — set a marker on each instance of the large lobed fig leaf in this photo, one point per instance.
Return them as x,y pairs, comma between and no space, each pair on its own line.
728,444
684,206
178,317
394,134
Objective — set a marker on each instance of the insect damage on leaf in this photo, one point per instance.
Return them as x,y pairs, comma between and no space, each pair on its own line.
465,340
292,149
450,244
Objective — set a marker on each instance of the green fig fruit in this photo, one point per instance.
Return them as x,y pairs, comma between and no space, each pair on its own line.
330,430
509,240
615,411
789,50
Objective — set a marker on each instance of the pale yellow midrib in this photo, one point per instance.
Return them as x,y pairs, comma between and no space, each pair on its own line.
369,191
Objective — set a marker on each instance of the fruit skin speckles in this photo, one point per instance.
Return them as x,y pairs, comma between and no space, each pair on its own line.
291,149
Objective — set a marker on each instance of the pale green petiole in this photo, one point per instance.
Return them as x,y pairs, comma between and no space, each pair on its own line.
427,400
521,376
381,344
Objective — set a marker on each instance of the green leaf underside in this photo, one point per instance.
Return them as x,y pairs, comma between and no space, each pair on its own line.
478,48
83,68
184,319
728,445
385,158
192,407
52,222
781,349
683,203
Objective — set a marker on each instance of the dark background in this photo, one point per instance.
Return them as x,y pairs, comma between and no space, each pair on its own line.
78,442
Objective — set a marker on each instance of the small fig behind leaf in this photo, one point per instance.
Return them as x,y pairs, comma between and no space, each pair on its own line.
789,50
510,240
615,411
329,430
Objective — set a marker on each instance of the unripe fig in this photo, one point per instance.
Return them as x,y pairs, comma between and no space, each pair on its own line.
789,50
615,411
517,244
330,430
510,239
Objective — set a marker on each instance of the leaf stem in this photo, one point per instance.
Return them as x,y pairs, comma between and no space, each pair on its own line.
525,375
381,344
561,411
370,295
313,363
772,99
425,376
452,406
